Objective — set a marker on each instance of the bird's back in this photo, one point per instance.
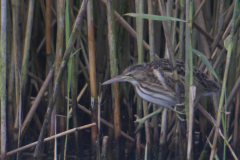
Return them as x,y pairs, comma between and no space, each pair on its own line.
205,85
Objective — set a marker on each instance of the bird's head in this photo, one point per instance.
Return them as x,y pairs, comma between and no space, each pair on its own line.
132,74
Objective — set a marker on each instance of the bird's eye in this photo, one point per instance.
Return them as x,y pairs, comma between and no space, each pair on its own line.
129,74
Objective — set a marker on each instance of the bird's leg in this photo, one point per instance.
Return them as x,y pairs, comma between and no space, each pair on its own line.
178,112
140,121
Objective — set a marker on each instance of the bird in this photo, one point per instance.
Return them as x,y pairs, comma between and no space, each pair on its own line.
154,82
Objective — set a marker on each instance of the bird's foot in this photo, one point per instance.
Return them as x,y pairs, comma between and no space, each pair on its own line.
140,121
178,112
179,105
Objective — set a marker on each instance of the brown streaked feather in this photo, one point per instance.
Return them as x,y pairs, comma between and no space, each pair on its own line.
201,81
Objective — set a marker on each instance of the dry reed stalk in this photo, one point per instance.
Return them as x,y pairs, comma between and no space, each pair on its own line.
114,73
50,138
60,74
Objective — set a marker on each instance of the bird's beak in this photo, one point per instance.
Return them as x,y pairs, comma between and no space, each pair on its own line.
119,78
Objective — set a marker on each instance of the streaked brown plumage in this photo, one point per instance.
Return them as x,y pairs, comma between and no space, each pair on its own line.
154,81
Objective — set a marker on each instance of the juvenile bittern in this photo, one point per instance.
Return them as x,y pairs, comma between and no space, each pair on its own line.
154,82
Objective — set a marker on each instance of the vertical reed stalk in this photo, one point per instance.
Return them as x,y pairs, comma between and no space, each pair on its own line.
104,148
236,124
189,63
163,138
17,58
192,96
114,73
25,63
69,66
229,53
152,55
49,66
93,85
11,86
48,26
182,30
3,80
147,131
74,90
189,76
58,57
26,52
139,28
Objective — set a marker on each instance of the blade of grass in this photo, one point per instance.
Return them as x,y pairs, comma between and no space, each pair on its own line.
205,61
154,17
